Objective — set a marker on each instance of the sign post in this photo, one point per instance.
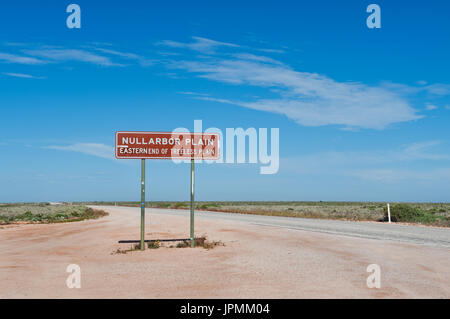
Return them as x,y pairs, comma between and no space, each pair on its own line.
143,204
165,145
192,203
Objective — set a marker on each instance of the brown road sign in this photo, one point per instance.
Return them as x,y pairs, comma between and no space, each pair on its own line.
166,145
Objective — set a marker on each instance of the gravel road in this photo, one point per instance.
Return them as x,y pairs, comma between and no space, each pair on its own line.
433,236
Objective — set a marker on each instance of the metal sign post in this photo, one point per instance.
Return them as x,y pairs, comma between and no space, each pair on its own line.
166,145
143,204
192,204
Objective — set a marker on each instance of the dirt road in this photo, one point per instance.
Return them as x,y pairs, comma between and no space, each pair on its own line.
257,261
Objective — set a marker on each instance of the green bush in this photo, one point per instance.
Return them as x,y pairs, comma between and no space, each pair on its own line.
179,205
408,213
25,216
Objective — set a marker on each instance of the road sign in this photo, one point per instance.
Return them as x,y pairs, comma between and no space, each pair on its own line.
166,145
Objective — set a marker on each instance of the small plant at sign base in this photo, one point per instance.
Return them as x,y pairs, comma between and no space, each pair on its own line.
136,247
212,244
200,242
154,244
183,244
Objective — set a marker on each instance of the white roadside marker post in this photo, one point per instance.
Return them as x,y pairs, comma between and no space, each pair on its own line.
389,213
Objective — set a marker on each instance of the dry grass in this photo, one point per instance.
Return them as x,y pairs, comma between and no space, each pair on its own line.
200,242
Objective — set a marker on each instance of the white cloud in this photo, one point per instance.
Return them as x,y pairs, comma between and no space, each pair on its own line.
433,90
92,53
381,165
95,149
271,50
199,44
12,58
420,151
127,55
62,55
438,89
258,58
309,99
22,75
431,107
193,93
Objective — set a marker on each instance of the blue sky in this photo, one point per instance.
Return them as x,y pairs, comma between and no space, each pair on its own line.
363,113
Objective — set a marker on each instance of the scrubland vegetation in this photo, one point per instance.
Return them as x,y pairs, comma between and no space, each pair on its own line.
46,213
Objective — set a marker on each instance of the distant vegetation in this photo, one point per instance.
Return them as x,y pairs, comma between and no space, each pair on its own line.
46,213
437,214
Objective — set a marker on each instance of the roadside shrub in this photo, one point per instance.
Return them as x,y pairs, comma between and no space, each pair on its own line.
46,213
5,220
408,213
25,216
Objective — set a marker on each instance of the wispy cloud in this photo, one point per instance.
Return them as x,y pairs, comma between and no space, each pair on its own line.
93,53
271,50
257,58
431,107
199,44
95,149
127,55
437,89
420,150
12,58
382,165
309,99
63,55
22,75
193,93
